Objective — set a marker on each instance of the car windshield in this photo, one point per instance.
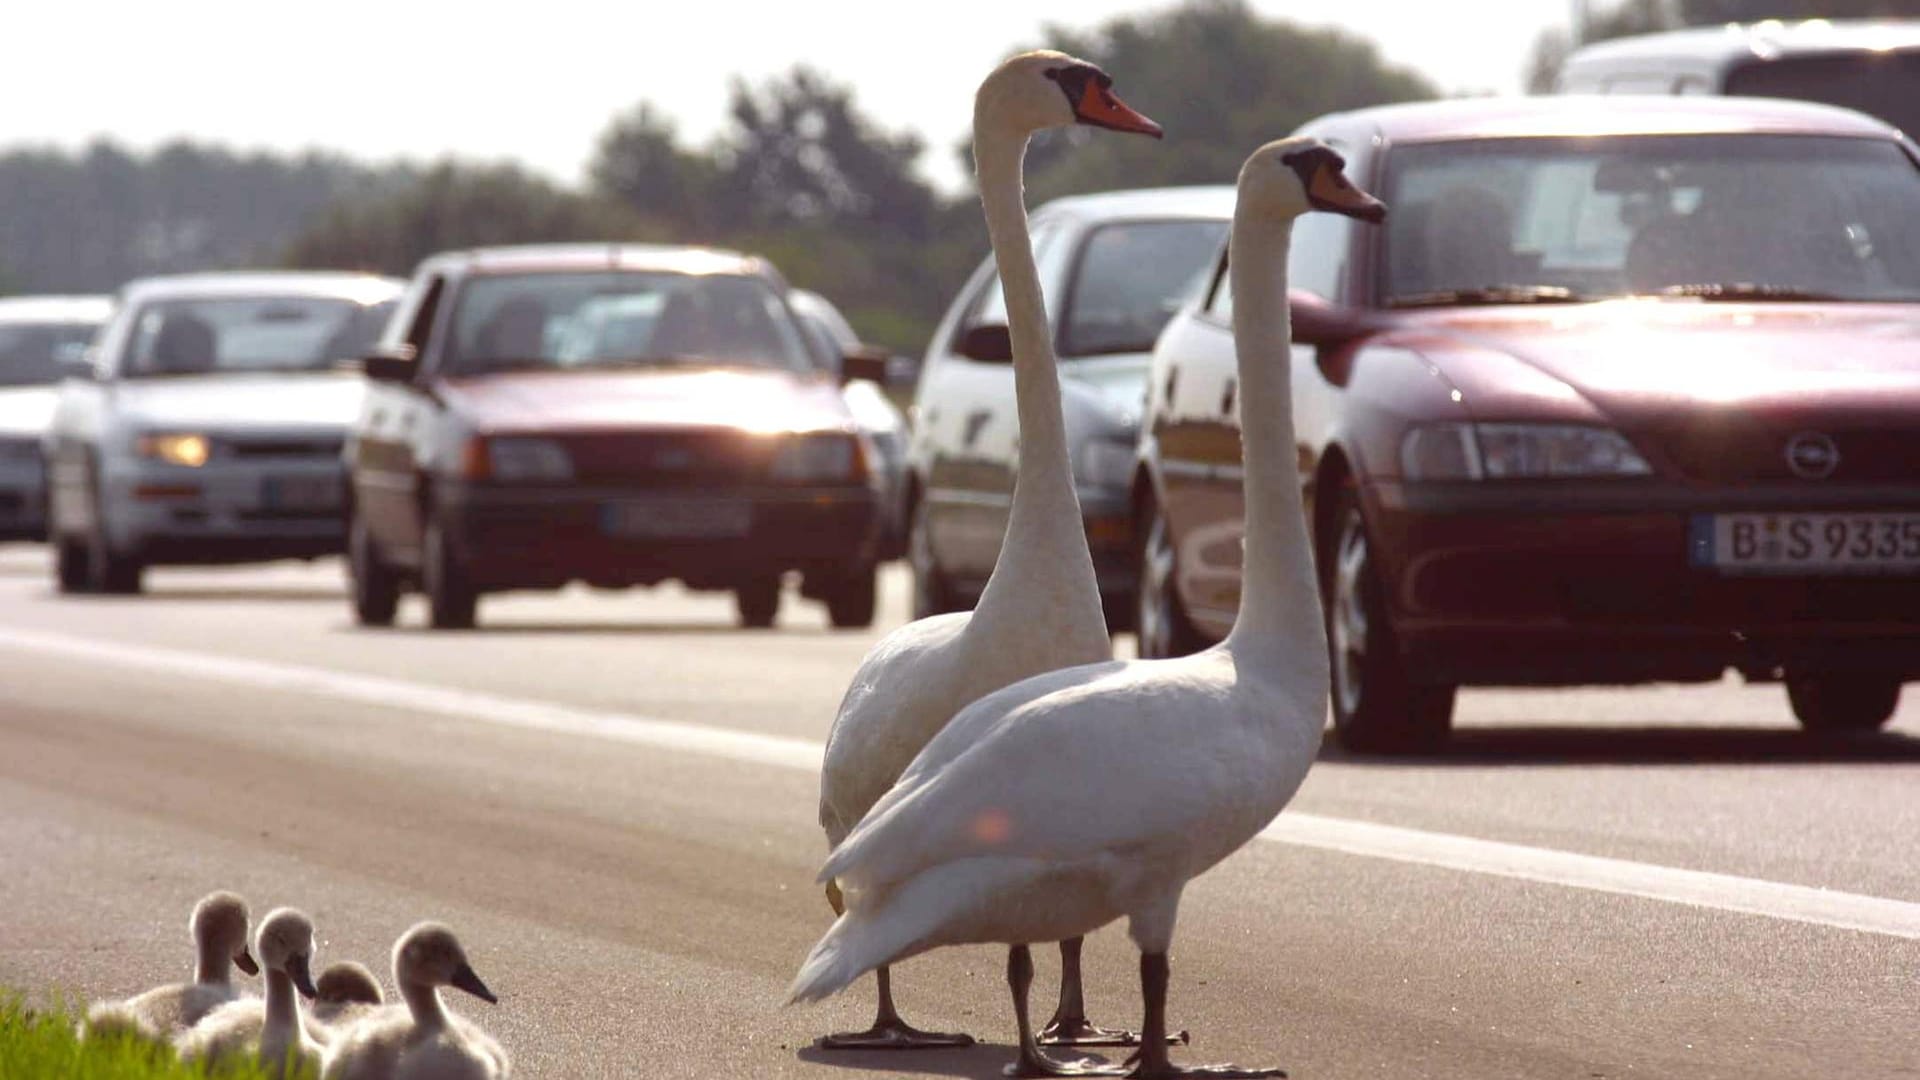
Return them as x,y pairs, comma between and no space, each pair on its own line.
1883,84
1707,217
252,333
1130,279
566,321
32,354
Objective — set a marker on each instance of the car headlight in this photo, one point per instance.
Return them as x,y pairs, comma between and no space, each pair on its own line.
1517,452
1104,463
190,450
818,458
517,458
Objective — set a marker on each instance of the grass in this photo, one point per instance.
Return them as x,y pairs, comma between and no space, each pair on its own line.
41,1045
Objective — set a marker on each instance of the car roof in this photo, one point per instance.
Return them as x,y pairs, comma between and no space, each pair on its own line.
562,258
1583,115
55,309
1766,40
325,284
1197,201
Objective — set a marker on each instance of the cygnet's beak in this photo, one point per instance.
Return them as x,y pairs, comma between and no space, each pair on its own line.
1100,107
302,977
244,961
465,979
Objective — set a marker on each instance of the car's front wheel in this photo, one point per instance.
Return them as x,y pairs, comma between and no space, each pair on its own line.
375,586
1841,702
758,601
1376,707
932,593
852,597
452,601
72,570
1160,619
109,571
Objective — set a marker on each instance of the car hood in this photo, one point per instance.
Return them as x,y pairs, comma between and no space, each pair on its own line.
1694,382
293,399
757,400
26,410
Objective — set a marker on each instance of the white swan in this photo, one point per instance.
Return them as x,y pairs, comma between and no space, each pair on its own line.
1041,607
271,1032
422,1040
219,928
344,992
1056,805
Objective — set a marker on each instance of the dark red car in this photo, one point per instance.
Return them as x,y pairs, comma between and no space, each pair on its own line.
1624,390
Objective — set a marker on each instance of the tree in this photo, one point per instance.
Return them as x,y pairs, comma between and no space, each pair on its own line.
458,205
639,163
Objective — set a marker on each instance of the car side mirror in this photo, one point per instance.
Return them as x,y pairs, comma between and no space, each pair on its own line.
1319,321
869,362
390,365
987,343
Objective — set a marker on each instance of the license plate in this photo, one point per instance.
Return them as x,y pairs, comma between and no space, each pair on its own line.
1859,543
677,519
300,492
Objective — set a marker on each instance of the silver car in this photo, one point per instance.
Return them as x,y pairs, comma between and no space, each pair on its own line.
41,339
873,410
209,426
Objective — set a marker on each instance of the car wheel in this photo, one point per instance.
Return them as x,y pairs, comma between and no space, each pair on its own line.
72,565
376,588
1836,702
851,598
107,570
1375,707
758,602
1160,619
932,594
452,601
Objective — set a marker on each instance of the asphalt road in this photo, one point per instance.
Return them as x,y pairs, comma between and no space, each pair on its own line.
610,797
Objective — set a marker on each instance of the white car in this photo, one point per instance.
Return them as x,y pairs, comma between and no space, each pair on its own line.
209,426
872,409
41,339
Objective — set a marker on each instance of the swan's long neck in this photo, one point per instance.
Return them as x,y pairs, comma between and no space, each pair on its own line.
1044,556
281,1012
1279,602
212,967
423,1001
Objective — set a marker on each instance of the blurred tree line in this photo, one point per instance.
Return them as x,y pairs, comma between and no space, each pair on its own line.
1619,18
799,174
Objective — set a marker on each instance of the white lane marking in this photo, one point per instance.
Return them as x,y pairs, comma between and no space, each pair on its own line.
1725,892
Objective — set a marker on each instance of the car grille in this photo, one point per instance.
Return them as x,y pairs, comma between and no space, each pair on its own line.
1739,451
263,448
679,459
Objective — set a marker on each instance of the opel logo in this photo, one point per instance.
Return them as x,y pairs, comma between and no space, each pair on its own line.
1812,456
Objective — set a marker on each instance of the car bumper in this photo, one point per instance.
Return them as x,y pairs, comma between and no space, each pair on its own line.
227,512
1111,540
508,539
23,502
1593,584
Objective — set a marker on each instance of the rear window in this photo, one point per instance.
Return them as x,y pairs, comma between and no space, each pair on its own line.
1130,280
35,353
1886,85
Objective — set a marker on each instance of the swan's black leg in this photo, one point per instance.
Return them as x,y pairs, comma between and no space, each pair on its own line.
1031,1061
889,1032
1151,1060
1069,1026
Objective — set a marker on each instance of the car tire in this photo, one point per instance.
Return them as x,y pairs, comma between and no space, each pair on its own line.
852,598
452,601
932,593
758,602
1835,702
1377,708
374,585
72,566
1160,620
108,571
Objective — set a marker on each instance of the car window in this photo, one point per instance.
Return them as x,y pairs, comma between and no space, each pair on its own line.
36,353
621,318
1825,216
1882,84
1130,279
988,304
251,333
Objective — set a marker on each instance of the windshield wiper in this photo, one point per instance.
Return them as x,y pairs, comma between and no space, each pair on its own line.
1745,290
1490,294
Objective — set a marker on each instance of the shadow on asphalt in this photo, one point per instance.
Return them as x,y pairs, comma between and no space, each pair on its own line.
981,1060
509,629
1645,745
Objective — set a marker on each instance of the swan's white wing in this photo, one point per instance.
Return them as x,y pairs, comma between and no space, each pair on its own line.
1105,758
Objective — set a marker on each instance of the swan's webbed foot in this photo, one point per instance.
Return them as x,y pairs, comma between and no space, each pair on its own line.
893,1033
1034,1063
1076,1031
1169,1071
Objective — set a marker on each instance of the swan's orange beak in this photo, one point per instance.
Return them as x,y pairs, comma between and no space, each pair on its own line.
1099,107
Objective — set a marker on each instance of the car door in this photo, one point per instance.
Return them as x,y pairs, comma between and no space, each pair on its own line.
968,427
80,430
387,466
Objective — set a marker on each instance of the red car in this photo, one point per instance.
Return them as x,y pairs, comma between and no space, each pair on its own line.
1624,390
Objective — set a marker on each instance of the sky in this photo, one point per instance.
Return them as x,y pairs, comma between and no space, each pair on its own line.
537,82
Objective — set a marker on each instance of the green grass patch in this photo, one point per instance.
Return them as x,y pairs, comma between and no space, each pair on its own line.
40,1044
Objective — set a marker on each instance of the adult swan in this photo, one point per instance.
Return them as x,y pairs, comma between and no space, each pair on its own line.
1066,801
1040,610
